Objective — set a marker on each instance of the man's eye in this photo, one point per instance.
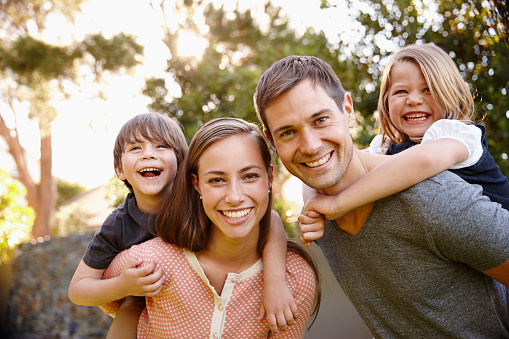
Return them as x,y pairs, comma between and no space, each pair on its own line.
321,120
286,133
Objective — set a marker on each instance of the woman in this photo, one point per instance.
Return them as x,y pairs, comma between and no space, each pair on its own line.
212,230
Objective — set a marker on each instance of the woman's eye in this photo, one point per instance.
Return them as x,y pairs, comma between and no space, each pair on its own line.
215,180
252,176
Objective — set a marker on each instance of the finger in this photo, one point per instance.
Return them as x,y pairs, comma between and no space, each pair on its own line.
312,214
295,309
271,319
281,321
147,269
261,313
305,242
155,289
312,236
132,263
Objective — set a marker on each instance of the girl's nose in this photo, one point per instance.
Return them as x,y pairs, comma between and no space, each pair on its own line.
414,99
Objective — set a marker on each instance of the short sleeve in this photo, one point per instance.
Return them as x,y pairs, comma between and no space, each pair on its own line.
468,134
379,145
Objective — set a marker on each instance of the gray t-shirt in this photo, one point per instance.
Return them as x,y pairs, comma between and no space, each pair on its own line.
414,269
124,227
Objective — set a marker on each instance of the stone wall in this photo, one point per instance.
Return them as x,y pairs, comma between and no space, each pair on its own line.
38,302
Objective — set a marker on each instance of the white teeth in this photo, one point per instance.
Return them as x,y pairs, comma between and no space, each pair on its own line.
319,162
236,215
150,170
416,117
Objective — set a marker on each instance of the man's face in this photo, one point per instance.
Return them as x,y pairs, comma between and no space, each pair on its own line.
311,135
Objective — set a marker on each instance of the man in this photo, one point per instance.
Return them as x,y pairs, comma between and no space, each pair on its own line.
429,262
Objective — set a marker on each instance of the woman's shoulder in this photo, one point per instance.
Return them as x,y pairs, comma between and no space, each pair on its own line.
156,246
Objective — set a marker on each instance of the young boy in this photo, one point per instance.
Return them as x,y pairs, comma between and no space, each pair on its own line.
147,152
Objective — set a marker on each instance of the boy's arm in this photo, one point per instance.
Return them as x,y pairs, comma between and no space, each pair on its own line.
394,174
87,288
278,303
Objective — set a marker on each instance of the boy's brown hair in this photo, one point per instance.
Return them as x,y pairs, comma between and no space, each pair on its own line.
153,127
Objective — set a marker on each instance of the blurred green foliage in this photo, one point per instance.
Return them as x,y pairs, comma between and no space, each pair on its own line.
67,190
16,218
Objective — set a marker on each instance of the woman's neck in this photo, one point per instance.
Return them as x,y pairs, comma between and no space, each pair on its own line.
227,256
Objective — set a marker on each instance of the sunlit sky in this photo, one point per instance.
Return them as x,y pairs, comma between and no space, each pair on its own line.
84,132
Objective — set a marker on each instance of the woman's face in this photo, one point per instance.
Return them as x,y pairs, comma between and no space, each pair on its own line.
233,182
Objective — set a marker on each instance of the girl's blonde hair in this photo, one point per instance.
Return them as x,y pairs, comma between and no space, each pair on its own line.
450,92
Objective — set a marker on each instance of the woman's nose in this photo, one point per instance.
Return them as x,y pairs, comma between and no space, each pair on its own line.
234,195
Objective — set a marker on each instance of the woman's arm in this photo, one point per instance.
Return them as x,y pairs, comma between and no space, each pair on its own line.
277,301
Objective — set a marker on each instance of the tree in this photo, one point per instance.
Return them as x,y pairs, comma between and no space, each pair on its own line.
36,72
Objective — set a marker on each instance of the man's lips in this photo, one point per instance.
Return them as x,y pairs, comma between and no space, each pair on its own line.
318,162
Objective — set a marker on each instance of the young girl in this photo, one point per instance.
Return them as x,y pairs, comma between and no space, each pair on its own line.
213,277
423,101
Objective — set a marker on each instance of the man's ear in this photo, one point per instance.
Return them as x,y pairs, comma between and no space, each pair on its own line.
271,175
269,137
196,185
349,111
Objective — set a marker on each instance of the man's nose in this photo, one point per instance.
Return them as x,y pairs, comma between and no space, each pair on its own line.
310,142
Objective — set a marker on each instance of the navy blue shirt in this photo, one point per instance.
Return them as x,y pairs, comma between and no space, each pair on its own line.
124,227
485,172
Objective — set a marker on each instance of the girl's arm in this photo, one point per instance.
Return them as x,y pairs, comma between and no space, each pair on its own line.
278,303
394,174
87,288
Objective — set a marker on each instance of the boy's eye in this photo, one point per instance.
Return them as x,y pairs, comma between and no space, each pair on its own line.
162,146
133,147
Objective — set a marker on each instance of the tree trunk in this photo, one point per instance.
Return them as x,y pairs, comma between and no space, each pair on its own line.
45,192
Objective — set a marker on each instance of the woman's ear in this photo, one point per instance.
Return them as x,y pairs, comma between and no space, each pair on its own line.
196,185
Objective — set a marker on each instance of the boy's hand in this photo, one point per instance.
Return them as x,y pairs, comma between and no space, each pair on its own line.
312,226
279,306
144,281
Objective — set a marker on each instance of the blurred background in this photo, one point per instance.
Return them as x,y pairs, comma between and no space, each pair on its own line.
73,71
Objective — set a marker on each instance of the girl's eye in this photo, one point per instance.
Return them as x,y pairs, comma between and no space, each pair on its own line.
401,91
426,90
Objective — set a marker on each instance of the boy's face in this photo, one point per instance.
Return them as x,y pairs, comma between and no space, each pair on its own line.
148,166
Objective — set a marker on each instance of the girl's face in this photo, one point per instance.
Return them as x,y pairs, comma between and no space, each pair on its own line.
412,109
233,182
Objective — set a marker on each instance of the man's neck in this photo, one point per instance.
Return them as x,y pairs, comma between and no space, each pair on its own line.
361,163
